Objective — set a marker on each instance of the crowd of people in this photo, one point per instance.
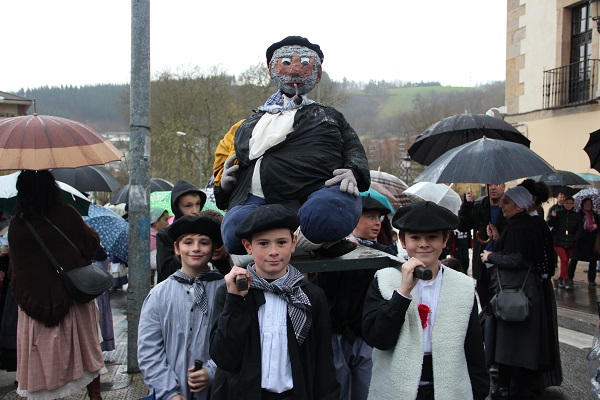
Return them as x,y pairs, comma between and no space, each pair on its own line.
292,179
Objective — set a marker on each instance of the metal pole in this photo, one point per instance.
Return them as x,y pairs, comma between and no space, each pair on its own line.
139,175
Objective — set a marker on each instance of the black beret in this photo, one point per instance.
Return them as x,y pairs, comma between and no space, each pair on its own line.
294,40
268,216
191,224
424,217
371,204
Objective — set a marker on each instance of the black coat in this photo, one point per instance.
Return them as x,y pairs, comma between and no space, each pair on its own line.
564,227
322,141
524,344
584,251
476,216
235,348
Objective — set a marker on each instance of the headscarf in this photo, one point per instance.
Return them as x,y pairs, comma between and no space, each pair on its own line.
520,196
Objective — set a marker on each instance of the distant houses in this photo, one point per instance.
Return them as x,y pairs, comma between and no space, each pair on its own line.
13,106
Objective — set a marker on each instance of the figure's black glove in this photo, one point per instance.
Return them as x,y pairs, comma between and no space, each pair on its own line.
229,178
345,177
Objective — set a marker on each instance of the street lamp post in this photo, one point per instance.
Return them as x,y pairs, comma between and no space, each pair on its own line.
406,165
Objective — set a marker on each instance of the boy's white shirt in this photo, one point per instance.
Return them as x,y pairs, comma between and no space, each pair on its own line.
397,372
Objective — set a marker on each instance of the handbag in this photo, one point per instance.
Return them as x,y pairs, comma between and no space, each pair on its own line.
511,305
596,247
82,284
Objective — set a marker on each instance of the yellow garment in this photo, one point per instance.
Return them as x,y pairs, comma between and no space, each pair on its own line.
224,150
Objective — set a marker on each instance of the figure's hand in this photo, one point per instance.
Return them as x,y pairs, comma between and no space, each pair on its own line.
492,232
345,177
198,380
229,178
553,213
230,280
469,196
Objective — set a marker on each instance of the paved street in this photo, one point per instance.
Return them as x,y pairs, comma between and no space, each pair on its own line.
577,313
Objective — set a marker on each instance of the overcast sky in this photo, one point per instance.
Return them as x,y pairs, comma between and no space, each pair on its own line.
79,42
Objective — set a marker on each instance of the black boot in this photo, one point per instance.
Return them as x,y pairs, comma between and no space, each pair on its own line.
93,389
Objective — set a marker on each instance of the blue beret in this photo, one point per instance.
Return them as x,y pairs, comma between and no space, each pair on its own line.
266,217
294,40
196,225
424,216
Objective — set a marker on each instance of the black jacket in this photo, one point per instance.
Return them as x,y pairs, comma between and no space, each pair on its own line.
166,262
235,348
584,251
322,141
564,227
476,216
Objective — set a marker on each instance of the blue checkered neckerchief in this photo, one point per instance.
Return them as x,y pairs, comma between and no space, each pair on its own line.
199,289
361,241
275,103
288,288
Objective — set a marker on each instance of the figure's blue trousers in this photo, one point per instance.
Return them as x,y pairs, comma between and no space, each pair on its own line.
328,215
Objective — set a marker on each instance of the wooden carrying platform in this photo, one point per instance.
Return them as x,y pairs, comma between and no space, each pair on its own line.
360,258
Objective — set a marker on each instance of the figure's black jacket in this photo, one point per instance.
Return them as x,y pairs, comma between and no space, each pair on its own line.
235,348
321,142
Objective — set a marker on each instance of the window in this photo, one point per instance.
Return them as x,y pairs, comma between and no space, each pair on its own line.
581,50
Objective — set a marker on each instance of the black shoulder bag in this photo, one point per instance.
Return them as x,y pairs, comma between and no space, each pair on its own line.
82,284
511,305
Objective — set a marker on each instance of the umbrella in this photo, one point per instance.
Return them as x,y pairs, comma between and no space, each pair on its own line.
592,193
438,193
485,161
562,181
459,129
156,185
112,229
592,148
379,197
91,178
71,196
391,184
42,142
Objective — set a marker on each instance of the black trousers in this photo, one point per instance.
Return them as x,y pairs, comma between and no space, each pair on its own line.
425,392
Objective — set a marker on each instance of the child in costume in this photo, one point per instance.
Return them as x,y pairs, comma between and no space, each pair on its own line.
294,152
176,316
272,340
426,334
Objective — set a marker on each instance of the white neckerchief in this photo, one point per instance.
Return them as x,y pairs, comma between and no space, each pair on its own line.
429,294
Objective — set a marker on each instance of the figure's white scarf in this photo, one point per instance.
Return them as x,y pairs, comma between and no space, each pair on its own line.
396,372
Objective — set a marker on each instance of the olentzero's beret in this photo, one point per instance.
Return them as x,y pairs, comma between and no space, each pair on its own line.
424,217
196,225
294,40
371,204
266,217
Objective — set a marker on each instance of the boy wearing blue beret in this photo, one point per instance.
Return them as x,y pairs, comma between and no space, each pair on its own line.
272,340
426,334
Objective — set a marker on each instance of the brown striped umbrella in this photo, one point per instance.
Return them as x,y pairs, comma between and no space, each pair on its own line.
38,142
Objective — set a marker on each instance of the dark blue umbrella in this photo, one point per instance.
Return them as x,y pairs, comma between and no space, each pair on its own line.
112,229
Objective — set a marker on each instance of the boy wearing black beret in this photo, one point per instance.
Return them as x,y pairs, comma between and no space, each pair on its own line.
176,316
271,341
426,334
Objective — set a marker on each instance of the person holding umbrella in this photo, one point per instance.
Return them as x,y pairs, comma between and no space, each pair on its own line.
565,224
477,215
47,314
586,236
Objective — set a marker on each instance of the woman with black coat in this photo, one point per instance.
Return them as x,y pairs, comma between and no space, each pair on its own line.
520,349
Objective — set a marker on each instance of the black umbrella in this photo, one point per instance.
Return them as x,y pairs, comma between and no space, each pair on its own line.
592,148
459,129
156,185
91,178
561,178
485,161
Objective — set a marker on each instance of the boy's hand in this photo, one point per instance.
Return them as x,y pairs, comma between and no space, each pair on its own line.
408,279
198,380
230,280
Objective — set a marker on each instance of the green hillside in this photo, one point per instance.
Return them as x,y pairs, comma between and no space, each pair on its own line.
401,99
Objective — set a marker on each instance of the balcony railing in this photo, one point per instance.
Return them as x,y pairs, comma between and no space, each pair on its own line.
571,84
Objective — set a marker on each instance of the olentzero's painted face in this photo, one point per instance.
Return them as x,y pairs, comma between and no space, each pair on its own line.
295,65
